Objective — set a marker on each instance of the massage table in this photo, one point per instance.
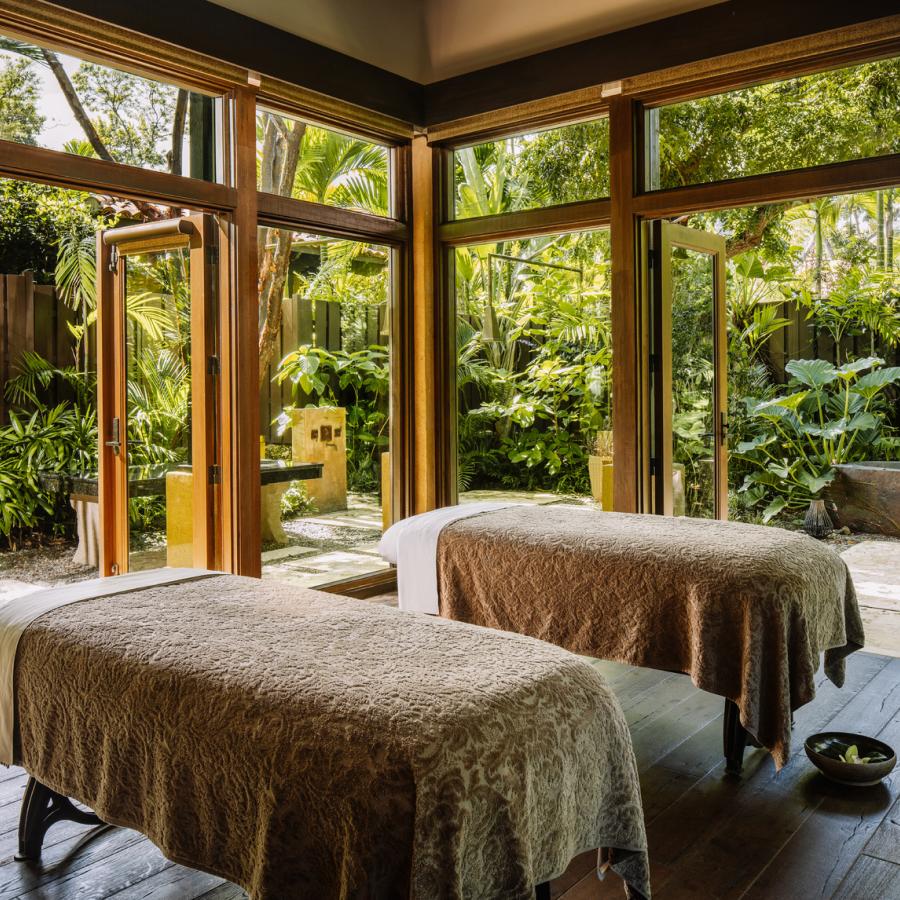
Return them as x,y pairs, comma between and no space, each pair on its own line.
745,610
303,744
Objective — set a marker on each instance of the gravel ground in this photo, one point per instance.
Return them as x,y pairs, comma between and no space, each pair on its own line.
51,563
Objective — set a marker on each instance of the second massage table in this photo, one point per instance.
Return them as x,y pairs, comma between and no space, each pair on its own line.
745,610
305,745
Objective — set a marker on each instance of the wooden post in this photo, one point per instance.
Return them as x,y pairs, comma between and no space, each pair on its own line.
628,387
425,345
239,384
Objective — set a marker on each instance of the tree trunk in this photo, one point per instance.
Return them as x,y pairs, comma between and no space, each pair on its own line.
74,102
175,159
281,153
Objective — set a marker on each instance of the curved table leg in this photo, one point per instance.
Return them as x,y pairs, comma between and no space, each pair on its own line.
42,808
734,738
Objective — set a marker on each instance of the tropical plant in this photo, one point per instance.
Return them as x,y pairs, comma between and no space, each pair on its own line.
828,416
358,381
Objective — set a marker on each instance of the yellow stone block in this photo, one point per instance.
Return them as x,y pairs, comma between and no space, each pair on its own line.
179,519
319,435
385,491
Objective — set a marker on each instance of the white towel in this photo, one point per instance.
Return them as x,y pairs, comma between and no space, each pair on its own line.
411,545
18,613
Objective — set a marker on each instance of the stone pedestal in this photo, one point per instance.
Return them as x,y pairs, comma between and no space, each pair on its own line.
270,512
319,435
87,522
386,519
179,519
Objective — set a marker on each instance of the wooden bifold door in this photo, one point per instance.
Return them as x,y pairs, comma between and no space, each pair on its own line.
157,367
688,372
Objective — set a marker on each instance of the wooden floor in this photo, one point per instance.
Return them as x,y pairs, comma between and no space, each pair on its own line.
789,836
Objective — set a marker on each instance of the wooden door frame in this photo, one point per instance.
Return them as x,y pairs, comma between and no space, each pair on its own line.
666,236
196,232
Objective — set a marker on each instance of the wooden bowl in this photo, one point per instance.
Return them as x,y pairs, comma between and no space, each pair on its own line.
824,750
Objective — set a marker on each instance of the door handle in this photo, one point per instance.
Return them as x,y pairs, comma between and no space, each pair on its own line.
115,443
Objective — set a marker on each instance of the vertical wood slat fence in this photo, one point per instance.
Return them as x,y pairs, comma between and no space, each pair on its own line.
800,340
31,318
317,323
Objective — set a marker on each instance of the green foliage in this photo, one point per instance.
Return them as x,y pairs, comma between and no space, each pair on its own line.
20,120
358,381
826,117
828,416
132,115
60,438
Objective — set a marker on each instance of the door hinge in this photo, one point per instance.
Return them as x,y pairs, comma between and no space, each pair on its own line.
114,569
213,367
215,475
652,466
652,256
654,362
114,258
212,256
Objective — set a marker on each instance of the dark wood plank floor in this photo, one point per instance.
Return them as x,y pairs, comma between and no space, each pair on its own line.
764,836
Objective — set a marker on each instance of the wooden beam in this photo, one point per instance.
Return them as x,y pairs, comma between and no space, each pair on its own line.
801,184
720,29
214,31
627,391
846,46
329,220
425,343
239,327
69,170
581,216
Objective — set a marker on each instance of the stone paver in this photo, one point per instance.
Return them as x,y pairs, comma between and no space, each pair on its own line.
875,567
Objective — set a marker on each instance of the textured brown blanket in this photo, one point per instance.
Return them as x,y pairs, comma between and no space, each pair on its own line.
745,610
309,746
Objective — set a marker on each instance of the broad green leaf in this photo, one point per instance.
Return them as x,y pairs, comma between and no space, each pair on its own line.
775,507
815,373
848,370
869,385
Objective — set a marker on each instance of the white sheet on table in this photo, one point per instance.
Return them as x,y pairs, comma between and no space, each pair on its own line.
17,613
411,545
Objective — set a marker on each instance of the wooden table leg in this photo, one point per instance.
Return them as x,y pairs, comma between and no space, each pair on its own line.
734,737
42,808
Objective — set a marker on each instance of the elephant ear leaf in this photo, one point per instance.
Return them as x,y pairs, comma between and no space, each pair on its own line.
869,385
814,373
772,510
848,370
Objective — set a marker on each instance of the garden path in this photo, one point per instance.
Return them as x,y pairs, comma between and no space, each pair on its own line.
875,566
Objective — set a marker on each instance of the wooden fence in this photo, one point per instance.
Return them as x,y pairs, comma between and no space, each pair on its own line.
31,318
800,340
318,323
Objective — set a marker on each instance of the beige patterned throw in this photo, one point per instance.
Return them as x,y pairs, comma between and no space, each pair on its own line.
305,745
745,610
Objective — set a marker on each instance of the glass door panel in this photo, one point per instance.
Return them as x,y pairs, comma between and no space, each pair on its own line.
157,396
157,345
689,373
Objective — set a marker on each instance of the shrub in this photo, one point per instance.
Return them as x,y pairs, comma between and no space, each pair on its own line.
828,416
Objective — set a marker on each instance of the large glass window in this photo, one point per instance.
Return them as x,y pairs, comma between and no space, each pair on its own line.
59,102
534,367
827,117
308,162
527,171
324,396
813,312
